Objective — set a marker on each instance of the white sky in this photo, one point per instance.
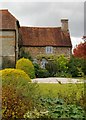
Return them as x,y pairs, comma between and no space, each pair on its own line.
35,13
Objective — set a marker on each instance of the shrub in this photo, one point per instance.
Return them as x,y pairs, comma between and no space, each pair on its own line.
18,94
27,66
52,67
36,67
43,73
76,67
25,54
62,64
18,78
13,76
58,66
56,108
40,72
84,66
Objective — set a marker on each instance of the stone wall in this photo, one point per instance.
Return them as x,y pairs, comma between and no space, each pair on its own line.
34,51
7,50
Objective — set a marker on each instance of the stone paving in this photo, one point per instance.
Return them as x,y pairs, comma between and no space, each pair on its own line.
58,80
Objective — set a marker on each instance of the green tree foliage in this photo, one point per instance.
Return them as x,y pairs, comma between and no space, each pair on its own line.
27,66
62,63
76,67
58,66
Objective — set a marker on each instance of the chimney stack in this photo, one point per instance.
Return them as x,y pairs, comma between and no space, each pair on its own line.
64,26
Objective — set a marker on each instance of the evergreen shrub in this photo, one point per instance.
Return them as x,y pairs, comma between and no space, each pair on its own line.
15,88
27,66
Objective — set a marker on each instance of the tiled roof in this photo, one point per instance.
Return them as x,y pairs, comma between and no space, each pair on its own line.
7,20
44,36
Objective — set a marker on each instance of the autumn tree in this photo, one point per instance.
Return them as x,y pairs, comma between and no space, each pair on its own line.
80,50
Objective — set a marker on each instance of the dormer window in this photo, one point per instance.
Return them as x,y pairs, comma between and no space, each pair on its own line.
49,49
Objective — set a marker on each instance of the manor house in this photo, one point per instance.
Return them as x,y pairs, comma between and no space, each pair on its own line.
36,40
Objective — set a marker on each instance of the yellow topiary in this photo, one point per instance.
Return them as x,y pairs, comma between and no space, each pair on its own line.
27,66
13,76
15,92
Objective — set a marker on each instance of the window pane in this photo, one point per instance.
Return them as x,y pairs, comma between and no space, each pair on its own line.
49,49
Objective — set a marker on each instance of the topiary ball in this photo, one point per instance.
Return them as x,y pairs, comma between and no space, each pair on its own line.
15,92
16,77
27,66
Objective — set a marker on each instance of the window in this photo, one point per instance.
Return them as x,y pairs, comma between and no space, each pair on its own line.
49,49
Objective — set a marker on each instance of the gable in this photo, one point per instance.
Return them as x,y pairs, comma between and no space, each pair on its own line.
7,20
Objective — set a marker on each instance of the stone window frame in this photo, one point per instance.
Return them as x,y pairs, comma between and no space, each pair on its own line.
49,49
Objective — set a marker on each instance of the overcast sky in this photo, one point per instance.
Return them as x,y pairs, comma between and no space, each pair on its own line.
50,14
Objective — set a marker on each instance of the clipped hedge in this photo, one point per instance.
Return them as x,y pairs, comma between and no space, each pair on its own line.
15,84
27,66
10,76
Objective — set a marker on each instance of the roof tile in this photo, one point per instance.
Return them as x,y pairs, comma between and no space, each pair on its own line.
44,36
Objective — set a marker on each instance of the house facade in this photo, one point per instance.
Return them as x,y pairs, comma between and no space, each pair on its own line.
9,35
35,40
46,40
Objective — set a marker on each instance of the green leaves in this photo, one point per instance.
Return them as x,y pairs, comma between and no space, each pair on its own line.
56,108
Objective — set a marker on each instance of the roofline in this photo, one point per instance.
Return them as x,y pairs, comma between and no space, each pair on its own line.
44,46
40,27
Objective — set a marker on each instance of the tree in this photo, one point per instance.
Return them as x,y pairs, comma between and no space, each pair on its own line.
80,50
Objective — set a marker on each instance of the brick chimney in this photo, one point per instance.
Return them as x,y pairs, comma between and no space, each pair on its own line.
64,26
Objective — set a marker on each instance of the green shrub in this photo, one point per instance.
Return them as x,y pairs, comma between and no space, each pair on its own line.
18,94
36,67
27,66
83,67
43,73
25,54
56,108
63,74
76,67
58,66
52,67
40,72
62,64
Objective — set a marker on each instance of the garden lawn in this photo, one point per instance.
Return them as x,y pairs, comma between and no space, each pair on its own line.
71,93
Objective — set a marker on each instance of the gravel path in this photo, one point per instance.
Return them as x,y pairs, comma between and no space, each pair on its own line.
57,80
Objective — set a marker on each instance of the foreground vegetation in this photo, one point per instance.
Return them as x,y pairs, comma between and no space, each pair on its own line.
73,92
23,99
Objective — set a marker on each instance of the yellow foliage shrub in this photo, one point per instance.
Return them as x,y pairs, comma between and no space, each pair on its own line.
14,74
27,66
15,90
